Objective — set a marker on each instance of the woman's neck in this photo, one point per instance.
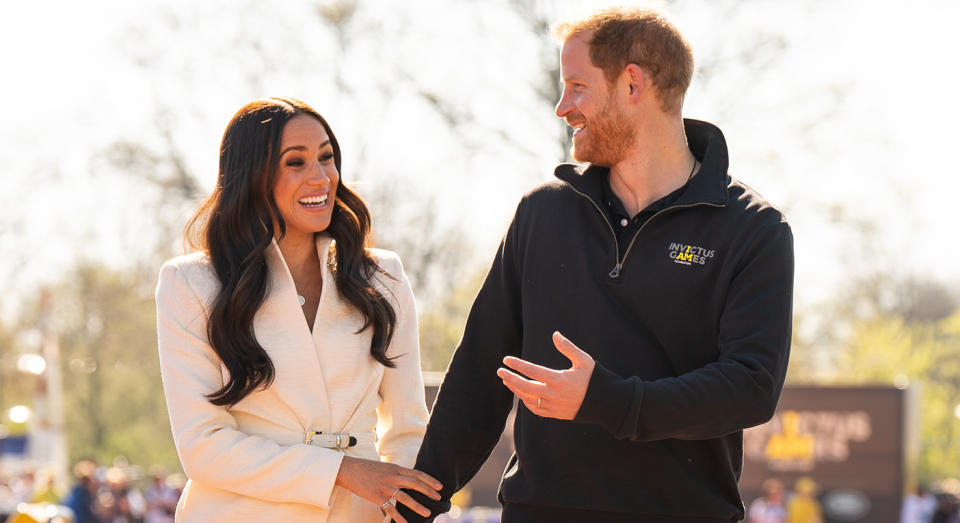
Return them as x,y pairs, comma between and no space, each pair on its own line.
300,255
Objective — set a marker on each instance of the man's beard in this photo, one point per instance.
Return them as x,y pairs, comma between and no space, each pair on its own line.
609,138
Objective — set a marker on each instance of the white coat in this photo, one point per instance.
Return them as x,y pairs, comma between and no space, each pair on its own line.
249,462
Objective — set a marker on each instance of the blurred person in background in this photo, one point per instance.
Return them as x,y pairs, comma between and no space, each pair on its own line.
23,486
803,506
918,506
948,509
948,502
118,500
7,504
82,497
46,490
288,348
161,498
769,508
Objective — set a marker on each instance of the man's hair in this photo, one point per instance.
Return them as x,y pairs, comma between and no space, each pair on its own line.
623,36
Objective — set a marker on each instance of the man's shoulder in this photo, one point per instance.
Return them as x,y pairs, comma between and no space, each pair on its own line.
749,204
548,189
558,188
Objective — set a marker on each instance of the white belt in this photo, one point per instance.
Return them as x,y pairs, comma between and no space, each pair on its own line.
331,440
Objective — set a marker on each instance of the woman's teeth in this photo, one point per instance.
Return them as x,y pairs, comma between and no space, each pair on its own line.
313,200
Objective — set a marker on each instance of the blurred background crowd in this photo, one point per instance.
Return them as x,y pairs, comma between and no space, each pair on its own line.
115,493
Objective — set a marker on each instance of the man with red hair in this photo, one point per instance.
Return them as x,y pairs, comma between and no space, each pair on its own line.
639,307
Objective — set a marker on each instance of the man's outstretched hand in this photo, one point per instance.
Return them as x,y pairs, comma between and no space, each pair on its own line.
550,393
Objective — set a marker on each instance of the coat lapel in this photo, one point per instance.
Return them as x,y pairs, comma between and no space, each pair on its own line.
282,331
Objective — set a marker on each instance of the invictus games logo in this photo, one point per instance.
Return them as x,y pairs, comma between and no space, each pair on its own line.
690,254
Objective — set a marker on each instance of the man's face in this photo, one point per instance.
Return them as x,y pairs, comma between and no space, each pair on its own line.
602,132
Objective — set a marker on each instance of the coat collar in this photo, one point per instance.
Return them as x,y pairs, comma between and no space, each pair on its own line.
283,332
707,144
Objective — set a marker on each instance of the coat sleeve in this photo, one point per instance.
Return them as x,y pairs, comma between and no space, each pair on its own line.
472,405
738,390
211,448
402,414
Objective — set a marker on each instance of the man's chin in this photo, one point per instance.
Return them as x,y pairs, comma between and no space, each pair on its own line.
588,157
581,155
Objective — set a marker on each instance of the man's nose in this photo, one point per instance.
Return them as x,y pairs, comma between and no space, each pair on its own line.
563,106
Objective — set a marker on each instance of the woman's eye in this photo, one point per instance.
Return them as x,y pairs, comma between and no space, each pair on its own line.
294,163
326,157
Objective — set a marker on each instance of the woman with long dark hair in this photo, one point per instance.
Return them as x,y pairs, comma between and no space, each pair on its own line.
288,346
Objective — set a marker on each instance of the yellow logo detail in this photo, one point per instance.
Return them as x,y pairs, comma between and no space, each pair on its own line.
790,444
690,254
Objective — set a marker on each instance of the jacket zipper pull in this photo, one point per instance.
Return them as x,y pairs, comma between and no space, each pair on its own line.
615,273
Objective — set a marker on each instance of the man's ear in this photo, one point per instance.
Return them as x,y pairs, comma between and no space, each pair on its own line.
636,78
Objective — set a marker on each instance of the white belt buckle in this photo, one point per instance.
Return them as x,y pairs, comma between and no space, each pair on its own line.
331,441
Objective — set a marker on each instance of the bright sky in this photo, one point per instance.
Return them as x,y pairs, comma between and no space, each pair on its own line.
857,111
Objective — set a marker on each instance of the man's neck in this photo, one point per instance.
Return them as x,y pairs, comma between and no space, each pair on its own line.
659,163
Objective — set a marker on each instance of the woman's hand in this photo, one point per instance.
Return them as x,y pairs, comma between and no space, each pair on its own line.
379,482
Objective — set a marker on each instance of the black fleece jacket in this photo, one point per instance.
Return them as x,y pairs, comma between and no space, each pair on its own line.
690,330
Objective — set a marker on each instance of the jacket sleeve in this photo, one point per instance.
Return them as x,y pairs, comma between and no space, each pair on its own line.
211,448
741,388
472,405
402,414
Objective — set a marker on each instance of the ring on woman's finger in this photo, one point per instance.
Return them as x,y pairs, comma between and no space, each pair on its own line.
385,504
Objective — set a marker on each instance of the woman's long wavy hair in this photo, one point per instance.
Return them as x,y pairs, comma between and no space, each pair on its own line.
235,227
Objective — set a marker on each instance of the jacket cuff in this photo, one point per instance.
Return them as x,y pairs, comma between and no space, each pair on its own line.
607,401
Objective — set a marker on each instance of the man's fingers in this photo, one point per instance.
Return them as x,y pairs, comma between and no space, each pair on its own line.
520,385
571,351
537,372
528,399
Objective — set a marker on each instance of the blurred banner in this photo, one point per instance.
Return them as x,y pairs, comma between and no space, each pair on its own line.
851,441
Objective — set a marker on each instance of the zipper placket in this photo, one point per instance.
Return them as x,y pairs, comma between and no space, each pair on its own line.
618,264
615,273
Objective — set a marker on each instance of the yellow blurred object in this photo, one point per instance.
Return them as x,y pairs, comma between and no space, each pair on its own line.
462,498
27,513
805,485
40,513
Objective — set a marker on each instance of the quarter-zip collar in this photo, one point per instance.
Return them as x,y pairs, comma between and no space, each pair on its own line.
709,186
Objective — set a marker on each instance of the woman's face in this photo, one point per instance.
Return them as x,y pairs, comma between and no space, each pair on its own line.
306,184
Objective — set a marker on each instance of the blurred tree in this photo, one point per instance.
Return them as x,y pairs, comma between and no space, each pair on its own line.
441,327
888,347
352,33
113,400
16,388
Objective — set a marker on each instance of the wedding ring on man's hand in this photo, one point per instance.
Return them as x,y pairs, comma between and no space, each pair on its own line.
538,401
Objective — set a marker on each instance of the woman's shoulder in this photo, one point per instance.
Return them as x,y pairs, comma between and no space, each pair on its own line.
389,261
195,268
